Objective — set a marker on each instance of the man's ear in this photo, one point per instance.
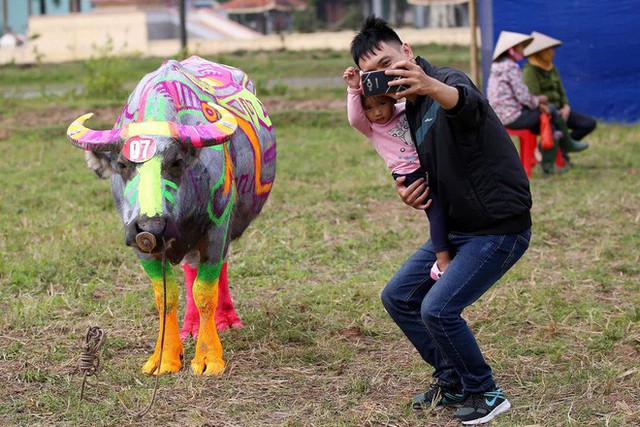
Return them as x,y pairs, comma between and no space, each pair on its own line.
407,51
100,162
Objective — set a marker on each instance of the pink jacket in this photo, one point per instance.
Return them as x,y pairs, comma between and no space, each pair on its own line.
391,140
507,92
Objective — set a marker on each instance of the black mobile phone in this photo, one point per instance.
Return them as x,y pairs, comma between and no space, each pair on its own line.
377,83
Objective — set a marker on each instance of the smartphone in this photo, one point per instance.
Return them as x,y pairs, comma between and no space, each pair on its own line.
377,83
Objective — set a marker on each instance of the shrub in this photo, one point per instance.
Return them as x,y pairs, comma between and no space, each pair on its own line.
104,73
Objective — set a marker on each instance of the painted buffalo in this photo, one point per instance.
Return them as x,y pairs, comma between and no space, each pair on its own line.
192,158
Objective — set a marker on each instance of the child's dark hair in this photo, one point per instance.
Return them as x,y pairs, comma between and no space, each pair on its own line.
390,98
373,32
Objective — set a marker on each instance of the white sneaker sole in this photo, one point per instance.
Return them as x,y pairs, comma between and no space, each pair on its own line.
501,408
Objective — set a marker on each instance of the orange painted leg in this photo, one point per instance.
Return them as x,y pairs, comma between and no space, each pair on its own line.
225,313
208,357
172,351
191,321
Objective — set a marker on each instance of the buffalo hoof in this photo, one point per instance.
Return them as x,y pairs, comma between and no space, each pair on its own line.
228,320
207,365
170,364
189,330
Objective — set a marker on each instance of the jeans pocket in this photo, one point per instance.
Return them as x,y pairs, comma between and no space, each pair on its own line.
518,248
524,237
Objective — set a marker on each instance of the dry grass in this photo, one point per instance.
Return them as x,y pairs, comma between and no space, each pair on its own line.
561,330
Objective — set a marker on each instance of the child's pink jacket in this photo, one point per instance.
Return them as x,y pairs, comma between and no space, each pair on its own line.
391,140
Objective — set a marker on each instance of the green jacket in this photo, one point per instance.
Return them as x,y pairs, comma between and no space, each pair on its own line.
543,82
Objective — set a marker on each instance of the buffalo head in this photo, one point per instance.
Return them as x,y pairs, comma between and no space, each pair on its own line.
146,162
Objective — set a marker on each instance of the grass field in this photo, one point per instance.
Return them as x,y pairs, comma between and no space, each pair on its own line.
561,330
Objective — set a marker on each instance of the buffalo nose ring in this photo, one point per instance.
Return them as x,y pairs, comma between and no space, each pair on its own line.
146,241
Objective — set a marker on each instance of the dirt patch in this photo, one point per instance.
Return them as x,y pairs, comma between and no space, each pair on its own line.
53,115
59,114
275,105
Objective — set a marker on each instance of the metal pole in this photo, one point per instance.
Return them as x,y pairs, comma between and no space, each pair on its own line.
183,25
473,25
5,19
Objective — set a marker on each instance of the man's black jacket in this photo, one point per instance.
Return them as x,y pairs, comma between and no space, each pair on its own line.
470,160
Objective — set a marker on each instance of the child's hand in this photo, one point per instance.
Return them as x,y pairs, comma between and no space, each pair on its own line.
352,77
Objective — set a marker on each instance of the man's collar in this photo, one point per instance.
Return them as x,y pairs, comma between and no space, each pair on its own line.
424,64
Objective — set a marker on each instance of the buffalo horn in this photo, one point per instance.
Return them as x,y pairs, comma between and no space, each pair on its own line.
207,135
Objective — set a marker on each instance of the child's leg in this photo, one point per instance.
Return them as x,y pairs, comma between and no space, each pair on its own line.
437,227
439,236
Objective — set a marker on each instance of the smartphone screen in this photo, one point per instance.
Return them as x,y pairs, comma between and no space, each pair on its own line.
377,83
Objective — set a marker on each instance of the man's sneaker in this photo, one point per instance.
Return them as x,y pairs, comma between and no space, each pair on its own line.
479,408
437,397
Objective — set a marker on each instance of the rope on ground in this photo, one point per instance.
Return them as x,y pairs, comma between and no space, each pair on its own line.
90,360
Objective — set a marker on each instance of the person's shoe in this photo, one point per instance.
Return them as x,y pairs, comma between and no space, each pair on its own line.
479,408
437,397
568,144
548,160
573,146
435,271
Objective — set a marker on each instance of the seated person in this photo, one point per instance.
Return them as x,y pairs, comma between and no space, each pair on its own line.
542,78
506,91
514,104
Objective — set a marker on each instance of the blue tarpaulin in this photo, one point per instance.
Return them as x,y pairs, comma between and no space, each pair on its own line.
599,60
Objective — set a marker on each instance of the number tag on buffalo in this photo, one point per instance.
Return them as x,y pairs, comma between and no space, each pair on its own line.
139,150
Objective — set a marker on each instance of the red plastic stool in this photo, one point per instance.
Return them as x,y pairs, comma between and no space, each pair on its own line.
528,141
559,159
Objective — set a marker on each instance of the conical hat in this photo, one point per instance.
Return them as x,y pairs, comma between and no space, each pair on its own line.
507,40
540,42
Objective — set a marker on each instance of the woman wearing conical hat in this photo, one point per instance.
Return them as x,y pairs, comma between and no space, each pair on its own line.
542,78
510,98
506,91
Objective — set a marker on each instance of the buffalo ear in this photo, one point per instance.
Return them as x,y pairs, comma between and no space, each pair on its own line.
100,162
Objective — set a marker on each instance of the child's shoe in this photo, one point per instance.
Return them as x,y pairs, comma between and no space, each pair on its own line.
435,271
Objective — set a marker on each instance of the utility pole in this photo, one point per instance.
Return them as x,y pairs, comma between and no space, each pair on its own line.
183,25
5,18
473,25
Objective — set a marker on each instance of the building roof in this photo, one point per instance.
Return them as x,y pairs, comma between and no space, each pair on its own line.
434,2
260,6
129,2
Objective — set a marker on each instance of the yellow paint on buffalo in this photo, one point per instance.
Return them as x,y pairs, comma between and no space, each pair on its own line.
150,187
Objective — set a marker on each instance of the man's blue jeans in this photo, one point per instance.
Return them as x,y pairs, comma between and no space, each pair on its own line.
429,313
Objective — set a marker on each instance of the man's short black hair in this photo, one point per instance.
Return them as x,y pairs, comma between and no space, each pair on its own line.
373,32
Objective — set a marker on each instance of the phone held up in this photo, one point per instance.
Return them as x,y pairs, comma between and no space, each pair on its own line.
377,83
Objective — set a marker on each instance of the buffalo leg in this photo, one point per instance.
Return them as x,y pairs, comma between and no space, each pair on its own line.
172,351
225,313
191,321
208,357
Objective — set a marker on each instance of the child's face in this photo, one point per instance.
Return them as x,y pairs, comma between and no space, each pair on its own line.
378,109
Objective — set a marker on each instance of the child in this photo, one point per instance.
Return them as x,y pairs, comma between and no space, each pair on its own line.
383,122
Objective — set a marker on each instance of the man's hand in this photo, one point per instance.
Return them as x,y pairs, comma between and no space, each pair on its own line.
352,77
419,83
565,111
415,194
